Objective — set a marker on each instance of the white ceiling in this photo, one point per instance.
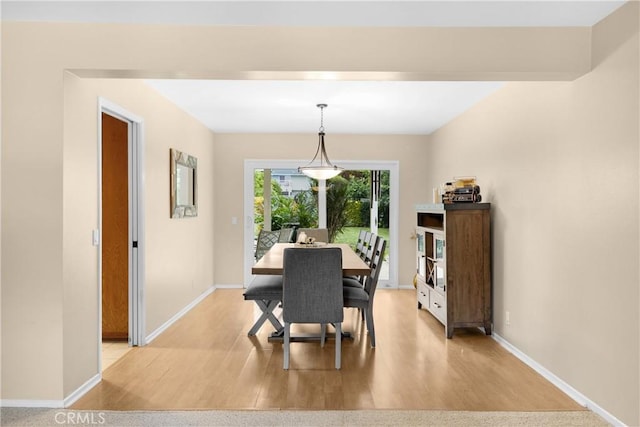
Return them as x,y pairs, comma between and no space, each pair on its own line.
383,107
362,107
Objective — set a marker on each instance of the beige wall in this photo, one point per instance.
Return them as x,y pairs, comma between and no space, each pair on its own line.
40,163
178,252
559,162
32,300
233,149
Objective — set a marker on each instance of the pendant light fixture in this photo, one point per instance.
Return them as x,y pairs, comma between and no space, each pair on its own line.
322,169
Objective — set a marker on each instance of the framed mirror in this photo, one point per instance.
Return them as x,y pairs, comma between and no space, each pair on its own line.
184,184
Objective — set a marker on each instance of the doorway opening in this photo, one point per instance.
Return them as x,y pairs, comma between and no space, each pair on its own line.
297,201
121,231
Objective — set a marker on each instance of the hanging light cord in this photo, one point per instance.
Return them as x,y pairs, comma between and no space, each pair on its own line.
324,159
325,170
322,106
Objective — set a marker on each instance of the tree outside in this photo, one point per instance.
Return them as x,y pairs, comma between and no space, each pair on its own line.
348,203
300,209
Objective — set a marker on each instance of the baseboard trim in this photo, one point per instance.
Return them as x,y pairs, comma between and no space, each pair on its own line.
558,382
27,403
92,382
58,404
80,391
153,335
229,286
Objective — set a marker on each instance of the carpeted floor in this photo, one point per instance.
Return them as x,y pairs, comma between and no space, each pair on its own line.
25,417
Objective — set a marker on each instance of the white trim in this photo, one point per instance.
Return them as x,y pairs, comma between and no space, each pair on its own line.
68,401
136,221
394,225
142,306
322,203
230,286
26,403
153,335
132,191
82,390
114,108
393,166
558,382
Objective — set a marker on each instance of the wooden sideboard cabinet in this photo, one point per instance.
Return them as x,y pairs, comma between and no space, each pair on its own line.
453,263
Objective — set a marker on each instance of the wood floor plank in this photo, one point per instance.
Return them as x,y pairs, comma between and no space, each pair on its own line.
206,361
275,385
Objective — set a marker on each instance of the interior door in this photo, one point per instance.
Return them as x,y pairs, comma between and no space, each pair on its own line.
115,229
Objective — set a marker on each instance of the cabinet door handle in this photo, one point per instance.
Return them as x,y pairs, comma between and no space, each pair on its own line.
437,305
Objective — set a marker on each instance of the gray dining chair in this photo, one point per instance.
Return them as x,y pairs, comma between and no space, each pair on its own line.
370,245
320,234
368,252
286,235
360,242
365,244
312,292
266,239
362,297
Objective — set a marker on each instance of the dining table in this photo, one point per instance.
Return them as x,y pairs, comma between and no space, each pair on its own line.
266,287
271,262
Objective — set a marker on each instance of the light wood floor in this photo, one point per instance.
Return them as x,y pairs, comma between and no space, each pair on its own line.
207,361
112,351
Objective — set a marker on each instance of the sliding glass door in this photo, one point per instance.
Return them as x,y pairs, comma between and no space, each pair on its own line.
284,198
364,196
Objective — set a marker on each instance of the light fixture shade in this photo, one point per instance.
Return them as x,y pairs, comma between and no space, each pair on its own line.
322,168
321,172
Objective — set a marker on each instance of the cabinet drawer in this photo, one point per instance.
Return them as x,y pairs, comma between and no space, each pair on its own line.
423,293
437,305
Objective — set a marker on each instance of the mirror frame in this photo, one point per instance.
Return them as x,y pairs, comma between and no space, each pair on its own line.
183,159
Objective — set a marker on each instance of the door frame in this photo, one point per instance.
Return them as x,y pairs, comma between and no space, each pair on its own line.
136,231
393,166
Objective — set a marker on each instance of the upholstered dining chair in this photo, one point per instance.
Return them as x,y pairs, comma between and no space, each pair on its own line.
320,234
312,292
362,297
266,239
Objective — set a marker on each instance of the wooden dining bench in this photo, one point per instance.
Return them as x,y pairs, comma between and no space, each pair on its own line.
266,292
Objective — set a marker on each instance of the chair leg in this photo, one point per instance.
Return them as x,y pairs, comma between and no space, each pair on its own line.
323,334
287,334
370,327
338,344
